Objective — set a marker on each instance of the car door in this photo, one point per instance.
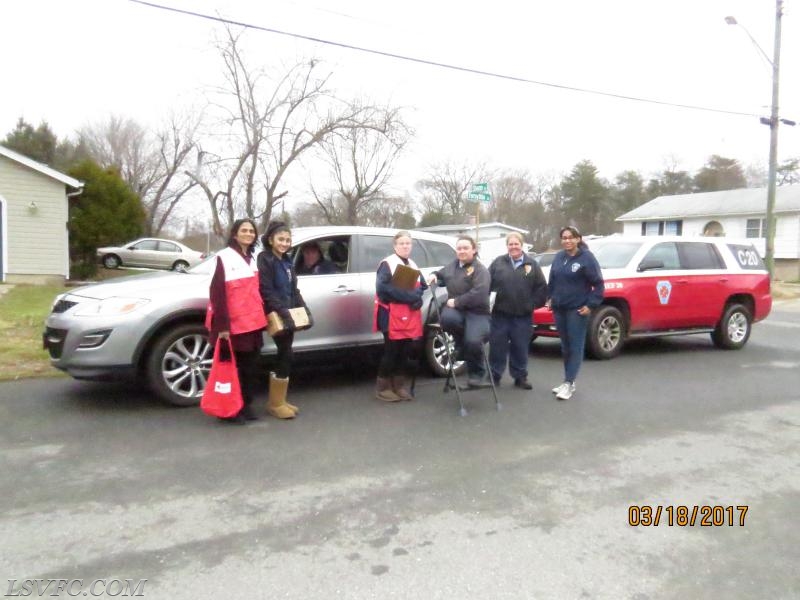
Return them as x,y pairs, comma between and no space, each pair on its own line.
705,275
342,314
658,291
167,254
141,254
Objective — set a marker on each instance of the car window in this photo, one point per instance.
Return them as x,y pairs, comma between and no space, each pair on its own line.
335,249
441,253
168,247
146,245
613,255
747,256
374,248
699,255
667,253
545,260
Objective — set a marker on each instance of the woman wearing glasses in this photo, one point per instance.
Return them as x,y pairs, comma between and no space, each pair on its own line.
575,287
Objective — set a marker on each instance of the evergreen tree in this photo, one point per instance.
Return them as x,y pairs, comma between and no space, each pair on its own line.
108,212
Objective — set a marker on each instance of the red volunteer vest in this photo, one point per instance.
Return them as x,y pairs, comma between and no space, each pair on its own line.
404,323
245,307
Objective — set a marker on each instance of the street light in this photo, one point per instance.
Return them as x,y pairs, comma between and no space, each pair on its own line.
773,122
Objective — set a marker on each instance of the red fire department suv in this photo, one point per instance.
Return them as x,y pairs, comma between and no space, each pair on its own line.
669,285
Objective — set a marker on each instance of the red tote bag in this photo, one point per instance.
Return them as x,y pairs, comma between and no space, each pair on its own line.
223,395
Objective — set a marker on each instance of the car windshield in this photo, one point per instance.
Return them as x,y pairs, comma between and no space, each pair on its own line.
614,254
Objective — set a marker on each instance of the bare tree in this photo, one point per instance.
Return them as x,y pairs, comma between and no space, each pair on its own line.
360,162
268,124
444,191
381,211
150,163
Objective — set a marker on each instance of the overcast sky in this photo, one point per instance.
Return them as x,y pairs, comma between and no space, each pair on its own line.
74,62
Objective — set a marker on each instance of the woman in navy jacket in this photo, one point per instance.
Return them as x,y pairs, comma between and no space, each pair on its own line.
575,288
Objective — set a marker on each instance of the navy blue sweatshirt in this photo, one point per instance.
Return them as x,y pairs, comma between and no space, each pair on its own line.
575,281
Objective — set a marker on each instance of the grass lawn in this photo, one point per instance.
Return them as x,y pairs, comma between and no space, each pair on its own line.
23,310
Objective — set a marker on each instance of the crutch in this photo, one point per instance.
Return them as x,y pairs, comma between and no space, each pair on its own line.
450,382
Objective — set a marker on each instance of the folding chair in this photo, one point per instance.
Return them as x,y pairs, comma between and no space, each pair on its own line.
451,382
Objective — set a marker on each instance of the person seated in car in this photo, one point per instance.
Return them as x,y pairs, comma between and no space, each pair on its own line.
312,263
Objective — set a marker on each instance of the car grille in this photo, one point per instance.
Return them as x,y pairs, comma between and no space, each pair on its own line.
53,341
63,305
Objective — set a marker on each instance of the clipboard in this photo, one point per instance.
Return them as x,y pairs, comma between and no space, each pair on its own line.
405,277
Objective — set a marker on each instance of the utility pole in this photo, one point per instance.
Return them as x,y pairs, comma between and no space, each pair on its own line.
774,121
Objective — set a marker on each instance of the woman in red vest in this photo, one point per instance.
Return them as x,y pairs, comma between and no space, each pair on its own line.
398,317
235,311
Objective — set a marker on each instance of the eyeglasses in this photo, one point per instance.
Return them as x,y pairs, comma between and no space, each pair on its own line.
567,237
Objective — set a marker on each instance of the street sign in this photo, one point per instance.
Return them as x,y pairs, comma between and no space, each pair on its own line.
479,196
480,187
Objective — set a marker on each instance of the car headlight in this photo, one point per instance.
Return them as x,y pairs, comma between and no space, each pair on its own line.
117,305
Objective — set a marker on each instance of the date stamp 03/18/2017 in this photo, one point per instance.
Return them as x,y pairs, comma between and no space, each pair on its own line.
680,515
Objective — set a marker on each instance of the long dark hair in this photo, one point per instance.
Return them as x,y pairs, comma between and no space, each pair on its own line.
233,243
575,233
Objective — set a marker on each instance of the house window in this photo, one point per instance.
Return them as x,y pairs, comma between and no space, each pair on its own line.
651,228
756,228
662,227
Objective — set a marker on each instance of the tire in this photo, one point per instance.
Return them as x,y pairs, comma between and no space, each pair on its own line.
181,266
606,334
733,329
436,353
111,261
178,364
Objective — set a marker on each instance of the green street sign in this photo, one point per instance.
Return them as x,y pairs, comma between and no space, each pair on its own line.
480,187
479,196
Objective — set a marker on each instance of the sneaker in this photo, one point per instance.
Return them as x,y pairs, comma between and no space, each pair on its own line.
523,383
478,382
557,389
566,391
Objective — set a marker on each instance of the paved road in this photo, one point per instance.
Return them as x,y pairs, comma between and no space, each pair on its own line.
355,499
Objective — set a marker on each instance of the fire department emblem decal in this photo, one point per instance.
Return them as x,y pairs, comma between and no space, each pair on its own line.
663,288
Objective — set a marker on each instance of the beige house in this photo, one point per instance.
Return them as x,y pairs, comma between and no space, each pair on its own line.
34,242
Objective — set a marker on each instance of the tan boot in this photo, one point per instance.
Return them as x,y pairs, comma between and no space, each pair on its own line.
292,407
383,390
276,405
400,387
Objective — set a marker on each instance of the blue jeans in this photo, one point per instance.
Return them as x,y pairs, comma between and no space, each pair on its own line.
572,331
471,331
509,341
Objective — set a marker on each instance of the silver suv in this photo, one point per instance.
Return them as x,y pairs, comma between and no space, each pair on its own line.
150,326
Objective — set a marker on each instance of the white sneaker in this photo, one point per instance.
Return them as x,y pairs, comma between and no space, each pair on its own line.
566,391
558,388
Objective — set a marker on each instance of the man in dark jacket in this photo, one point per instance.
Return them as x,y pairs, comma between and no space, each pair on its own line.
466,313
520,286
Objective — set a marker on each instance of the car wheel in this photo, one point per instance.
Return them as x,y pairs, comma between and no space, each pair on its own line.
733,329
606,334
181,266
111,261
179,363
436,352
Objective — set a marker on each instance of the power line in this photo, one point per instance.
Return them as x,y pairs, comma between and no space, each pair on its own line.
433,63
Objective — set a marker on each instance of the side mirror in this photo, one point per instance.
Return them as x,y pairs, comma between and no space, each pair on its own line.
649,264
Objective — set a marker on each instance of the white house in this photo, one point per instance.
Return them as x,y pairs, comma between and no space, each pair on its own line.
491,237
733,213
34,243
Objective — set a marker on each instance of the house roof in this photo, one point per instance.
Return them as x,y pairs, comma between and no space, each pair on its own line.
42,168
716,204
467,226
